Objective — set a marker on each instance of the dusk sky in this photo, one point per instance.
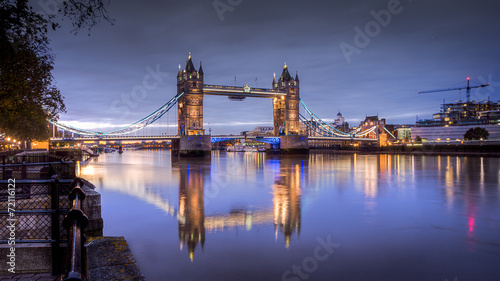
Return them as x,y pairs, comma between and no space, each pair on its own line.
423,45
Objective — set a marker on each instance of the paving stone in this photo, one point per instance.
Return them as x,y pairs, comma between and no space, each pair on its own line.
110,258
47,278
6,277
28,277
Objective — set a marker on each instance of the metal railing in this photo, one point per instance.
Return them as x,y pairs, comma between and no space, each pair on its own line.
75,222
39,207
35,167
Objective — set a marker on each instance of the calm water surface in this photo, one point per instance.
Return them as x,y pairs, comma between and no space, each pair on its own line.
251,216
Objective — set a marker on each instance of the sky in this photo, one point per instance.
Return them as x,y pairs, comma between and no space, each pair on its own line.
360,57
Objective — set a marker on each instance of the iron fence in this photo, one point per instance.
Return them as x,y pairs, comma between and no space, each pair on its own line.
35,167
39,208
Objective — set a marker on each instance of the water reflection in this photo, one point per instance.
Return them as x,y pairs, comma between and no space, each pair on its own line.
286,198
195,175
233,203
191,216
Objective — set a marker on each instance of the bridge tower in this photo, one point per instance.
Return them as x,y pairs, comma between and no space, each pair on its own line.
286,109
193,141
190,105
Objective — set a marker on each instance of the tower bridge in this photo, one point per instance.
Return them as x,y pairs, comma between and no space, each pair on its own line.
285,95
191,89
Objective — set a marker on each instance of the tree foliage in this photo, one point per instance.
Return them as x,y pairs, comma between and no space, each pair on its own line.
477,133
28,96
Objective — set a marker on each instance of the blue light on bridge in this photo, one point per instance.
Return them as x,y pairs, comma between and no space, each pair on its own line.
214,139
270,140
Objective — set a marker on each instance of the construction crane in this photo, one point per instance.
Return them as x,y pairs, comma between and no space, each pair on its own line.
457,89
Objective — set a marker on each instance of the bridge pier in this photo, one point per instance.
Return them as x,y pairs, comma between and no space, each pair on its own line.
294,144
192,146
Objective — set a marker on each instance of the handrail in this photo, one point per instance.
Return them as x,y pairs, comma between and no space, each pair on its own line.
75,222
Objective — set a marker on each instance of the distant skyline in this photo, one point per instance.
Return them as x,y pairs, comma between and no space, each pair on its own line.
358,57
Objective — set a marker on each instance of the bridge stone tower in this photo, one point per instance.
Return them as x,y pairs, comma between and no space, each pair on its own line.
193,141
286,109
190,106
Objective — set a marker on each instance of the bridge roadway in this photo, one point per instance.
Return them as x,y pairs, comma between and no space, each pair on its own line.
221,137
243,92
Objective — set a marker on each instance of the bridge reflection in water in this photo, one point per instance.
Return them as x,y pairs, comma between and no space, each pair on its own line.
378,207
199,184
194,223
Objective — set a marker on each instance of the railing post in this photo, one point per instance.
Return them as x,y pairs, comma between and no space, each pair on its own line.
3,167
56,237
23,171
75,222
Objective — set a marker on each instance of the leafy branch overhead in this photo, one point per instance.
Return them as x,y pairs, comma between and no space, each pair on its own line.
28,96
85,13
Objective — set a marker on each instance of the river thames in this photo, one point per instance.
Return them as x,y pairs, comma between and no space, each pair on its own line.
252,216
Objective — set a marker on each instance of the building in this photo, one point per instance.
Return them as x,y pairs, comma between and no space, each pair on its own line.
402,132
262,131
454,119
464,114
451,133
339,121
340,124
370,122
